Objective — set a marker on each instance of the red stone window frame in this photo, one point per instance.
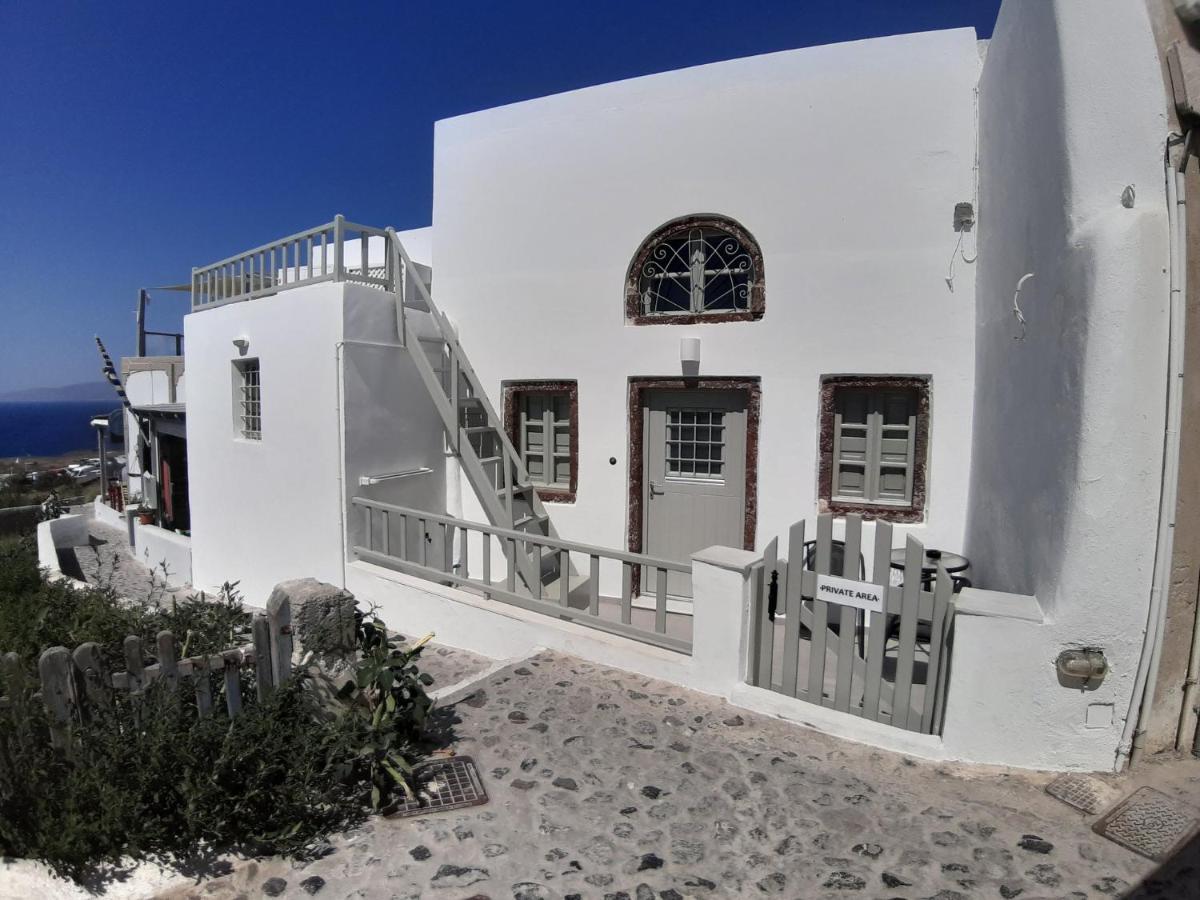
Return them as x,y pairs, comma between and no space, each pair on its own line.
513,392
633,300
907,514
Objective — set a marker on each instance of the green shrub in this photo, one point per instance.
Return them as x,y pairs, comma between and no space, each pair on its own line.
36,614
151,778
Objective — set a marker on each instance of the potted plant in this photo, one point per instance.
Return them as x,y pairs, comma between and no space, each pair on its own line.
145,515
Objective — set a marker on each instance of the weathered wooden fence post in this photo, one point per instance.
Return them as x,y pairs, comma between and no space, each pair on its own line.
279,615
54,667
168,663
233,687
92,675
263,668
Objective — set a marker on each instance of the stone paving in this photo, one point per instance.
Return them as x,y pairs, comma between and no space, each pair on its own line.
608,785
107,562
450,666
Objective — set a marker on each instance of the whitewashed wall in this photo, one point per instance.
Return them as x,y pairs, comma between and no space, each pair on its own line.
267,510
1069,421
339,399
845,162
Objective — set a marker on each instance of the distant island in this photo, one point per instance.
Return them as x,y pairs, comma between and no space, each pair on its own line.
83,392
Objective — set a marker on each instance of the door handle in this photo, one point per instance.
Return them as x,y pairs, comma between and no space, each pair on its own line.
655,489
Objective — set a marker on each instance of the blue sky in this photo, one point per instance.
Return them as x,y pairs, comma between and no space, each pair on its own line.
140,139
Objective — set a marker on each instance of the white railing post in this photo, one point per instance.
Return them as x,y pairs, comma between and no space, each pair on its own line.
339,247
396,275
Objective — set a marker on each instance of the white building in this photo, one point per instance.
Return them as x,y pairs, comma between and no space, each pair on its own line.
703,305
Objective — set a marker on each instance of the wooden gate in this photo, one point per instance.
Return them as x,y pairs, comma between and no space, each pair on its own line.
883,654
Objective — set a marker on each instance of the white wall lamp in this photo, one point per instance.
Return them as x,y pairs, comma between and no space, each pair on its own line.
689,355
242,345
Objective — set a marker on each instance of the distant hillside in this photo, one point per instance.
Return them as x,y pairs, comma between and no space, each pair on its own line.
84,392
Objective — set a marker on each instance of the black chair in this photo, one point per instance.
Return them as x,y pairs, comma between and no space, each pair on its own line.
924,629
837,556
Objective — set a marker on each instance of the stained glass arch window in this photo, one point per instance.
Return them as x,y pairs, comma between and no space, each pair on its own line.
696,269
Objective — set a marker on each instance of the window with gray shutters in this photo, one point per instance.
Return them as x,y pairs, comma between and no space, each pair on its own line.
874,444
542,421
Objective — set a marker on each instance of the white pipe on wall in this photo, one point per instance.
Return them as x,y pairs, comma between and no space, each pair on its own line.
1143,694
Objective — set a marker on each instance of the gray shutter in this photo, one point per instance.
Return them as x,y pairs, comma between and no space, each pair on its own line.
546,437
851,444
874,445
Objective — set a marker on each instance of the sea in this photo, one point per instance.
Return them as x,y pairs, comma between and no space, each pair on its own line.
49,429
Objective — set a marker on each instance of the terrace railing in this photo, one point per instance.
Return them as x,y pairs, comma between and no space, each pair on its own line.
308,257
424,544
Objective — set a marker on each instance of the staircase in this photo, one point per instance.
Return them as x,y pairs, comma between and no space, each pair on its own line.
474,431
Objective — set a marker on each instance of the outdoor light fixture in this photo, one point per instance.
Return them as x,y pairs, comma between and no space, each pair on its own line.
242,345
1084,667
689,351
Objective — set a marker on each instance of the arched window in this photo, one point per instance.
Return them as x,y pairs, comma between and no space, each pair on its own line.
696,269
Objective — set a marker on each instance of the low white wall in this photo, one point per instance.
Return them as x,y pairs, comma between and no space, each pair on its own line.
985,681
167,553
106,515
65,531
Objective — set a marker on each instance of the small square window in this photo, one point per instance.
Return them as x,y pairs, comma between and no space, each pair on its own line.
874,440
542,419
247,399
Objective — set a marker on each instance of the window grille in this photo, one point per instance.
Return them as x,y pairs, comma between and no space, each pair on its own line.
874,445
698,267
249,399
696,444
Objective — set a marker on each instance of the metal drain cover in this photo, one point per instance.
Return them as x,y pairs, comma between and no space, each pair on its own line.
444,784
1090,795
1150,823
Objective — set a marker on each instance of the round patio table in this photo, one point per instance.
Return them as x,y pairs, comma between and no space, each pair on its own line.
929,562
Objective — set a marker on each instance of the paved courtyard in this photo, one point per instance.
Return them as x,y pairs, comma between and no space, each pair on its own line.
608,785
106,562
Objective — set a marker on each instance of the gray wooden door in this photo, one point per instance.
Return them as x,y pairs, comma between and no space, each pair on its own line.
694,482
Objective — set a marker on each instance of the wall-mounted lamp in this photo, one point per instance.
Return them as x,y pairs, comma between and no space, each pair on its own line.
689,355
1082,668
242,345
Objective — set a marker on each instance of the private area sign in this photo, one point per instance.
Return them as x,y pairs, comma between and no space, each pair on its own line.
859,594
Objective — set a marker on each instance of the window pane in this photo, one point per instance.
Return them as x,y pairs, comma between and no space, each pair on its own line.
690,447
853,406
897,407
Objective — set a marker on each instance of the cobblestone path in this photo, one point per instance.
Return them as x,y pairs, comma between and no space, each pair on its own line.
107,562
607,785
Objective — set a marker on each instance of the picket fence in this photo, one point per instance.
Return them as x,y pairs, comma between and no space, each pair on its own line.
890,665
71,682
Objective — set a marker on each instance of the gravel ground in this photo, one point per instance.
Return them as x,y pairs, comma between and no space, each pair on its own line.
604,784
